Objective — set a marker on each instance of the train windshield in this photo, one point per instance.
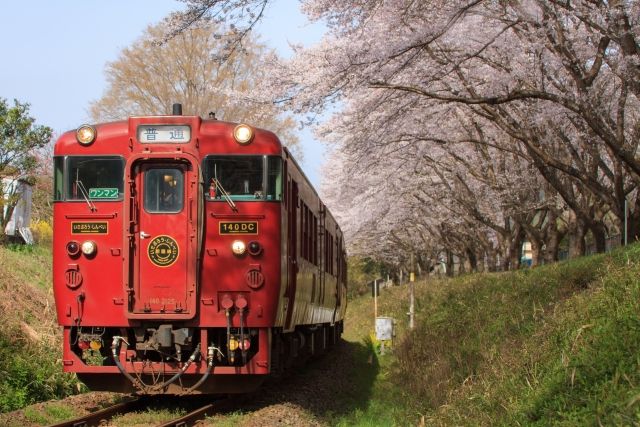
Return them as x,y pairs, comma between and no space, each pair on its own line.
243,178
96,178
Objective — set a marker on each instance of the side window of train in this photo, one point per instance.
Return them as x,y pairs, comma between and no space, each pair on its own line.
275,185
163,190
286,182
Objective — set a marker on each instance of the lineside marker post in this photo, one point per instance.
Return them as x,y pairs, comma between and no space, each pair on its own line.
412,294
375,299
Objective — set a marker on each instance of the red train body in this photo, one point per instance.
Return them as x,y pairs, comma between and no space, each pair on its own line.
188,262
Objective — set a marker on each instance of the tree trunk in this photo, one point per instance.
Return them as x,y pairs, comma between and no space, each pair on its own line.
449,264
633,224
577,246
600,237
480,259
462,264
472,265
492,262
504,258
536,250
553,240
515,248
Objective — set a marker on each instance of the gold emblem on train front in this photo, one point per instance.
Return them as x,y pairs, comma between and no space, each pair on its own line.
163,251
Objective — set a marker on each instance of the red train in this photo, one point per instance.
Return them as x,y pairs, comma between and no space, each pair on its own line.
190,256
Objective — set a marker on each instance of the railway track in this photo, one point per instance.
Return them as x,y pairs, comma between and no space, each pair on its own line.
104,416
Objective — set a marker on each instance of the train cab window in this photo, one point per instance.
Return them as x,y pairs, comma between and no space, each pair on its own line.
58,178
163,190
97,178
240,177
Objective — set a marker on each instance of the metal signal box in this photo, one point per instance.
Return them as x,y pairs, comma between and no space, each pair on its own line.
384,328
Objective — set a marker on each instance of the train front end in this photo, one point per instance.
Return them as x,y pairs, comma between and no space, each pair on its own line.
167,254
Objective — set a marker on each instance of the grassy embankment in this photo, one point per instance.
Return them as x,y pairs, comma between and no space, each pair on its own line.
30,369
556,345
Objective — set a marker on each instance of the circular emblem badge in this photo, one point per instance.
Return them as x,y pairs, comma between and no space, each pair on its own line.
163,251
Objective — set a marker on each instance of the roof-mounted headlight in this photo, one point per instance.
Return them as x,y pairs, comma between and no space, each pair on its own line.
86,134
243,134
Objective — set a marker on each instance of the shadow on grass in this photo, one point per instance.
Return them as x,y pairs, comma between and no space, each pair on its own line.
329,387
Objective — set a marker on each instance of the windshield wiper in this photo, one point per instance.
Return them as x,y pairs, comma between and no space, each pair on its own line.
224,194
84,192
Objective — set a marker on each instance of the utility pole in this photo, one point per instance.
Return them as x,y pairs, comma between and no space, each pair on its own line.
411,312
375,298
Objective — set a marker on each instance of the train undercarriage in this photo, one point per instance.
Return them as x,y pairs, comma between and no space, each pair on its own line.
171,359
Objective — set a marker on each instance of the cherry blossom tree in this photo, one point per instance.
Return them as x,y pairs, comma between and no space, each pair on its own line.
468,126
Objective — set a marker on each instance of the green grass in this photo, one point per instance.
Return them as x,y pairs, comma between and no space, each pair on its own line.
152,416
30,373
30,347
555,345
50,413
551,346
28,264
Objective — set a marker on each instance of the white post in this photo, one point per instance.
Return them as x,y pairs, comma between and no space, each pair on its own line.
412,294
375,298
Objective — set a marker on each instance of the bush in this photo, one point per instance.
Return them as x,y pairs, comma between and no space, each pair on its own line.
30,340
30,373
42,232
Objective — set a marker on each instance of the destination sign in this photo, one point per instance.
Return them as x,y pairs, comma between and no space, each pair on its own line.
150,134
248,227
89,228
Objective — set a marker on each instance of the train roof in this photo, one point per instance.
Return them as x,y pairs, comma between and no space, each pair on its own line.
215,136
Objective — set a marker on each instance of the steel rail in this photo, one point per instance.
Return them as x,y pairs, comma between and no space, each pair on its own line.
192,418
95,419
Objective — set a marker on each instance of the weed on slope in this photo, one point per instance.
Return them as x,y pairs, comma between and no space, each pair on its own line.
556,345
30,343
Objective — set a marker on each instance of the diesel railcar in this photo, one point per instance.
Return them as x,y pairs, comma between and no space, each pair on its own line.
190,256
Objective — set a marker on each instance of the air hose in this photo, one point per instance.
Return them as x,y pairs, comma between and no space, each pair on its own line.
114,349
210,351
138,383
181,371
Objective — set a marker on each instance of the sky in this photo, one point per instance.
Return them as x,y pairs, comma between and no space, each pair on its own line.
53,53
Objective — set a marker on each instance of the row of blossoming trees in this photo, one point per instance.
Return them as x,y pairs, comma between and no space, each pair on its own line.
467,127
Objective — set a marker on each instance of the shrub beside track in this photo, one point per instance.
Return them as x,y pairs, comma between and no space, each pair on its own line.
29,370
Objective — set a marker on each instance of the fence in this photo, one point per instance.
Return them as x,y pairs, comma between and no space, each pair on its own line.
610,243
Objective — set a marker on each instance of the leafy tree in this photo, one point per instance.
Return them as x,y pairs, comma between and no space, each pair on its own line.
42,195
19,137
148,78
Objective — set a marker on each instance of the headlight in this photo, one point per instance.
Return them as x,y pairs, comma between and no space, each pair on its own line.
88,247
86,134
238,247
243,134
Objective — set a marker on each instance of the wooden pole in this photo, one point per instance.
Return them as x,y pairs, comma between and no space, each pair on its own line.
375,298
